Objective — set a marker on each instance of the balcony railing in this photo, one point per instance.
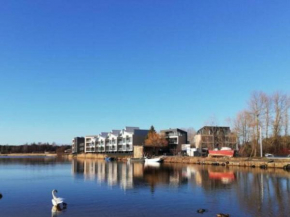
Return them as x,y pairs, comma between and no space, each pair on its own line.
90,149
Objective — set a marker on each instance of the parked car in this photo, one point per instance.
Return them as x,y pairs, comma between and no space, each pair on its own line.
269,155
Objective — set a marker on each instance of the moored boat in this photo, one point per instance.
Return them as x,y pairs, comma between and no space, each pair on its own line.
223,152
157,159
109,158
152,164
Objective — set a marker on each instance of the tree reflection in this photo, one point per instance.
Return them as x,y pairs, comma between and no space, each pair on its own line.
258,192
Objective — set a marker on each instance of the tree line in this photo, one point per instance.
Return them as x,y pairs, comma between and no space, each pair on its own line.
265,118
34,148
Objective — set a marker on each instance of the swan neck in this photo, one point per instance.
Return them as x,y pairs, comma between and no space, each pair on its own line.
53,195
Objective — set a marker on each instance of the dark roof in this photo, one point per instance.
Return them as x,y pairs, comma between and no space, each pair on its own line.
116,132
104,134
131,129
141,132
175,129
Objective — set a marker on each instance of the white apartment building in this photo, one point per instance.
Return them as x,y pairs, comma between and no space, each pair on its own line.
90,143
115,141
101,141
112,141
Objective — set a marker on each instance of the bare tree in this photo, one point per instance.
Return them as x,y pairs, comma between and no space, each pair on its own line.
242,126
212,121
191,132
267,100
280,108
271,113
286,116
256,109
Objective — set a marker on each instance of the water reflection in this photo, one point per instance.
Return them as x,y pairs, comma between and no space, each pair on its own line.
31,160
128,176
258,192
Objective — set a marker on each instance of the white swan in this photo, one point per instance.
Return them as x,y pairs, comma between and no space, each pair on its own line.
56,200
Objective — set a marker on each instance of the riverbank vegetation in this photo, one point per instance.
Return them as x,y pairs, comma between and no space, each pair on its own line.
34,148
266,117
154,142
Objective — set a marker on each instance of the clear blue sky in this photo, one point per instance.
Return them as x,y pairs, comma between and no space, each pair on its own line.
74,68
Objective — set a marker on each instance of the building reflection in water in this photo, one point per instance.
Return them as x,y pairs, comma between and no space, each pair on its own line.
112,173
126,175
263,192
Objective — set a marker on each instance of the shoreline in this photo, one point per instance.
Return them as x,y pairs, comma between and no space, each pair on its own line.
262,163
27,154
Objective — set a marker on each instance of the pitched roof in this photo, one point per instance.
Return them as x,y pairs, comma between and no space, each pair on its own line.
116,132
174,129
131,129
104,134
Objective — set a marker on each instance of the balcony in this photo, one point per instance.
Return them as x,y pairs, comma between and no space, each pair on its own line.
170,134
90,149
172,141
129,147
122,148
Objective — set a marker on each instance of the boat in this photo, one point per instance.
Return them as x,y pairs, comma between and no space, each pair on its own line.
223,152
109,159
156,159
152,164
225,177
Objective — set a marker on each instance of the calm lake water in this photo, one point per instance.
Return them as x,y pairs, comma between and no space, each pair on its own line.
99,188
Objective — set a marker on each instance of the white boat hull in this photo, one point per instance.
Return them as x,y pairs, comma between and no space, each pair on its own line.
153,160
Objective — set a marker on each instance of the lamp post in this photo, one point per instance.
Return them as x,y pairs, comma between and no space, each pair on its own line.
260,129
261,141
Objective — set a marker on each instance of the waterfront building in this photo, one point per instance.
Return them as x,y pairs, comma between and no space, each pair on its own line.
112,141
101,142
78,144
175,137
129,137
211,137
116,141
90,143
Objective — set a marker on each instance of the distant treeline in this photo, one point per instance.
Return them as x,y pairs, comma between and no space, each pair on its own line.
34,148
